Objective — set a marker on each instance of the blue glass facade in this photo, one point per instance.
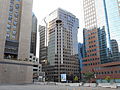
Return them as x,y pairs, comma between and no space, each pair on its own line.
112,8
101,39
80,54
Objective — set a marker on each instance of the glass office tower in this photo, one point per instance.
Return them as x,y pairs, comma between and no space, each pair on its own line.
113,18
102,38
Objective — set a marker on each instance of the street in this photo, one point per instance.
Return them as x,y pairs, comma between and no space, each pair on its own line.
49,87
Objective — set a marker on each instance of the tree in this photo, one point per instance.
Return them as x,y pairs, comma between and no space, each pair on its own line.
76,79
107,78
88,76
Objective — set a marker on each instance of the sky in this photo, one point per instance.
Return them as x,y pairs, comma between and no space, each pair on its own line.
43,8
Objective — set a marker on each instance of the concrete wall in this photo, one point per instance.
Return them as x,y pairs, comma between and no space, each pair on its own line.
14,72
25,29
4,5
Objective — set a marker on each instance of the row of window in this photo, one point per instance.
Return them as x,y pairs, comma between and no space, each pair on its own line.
108,72
92,46
88,2
10,26
13,50
92,50
89,34
91,59
91,26
90,12
12,34
92,42
17,6
91,37
9,36
91,64
94,54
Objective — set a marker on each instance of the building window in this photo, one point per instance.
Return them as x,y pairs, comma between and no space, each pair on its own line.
10,17
8,26
7,35
11,8
16,15
14,27
14,32
15,23
13,37
10,21
17,6
10,12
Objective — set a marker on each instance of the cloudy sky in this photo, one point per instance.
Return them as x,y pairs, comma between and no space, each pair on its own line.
42,8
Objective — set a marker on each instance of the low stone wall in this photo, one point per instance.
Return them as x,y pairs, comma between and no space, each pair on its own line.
105,85
15,72
90,84
108,85
69,84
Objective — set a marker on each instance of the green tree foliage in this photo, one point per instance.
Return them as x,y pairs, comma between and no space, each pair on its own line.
88,76
76,79
107,78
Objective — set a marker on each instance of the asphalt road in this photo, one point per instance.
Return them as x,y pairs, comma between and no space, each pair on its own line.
49,87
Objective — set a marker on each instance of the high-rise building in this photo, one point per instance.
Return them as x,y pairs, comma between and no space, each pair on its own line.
96,17
113,18
17,40
43,47
94,36
91,57
102,45
62,45
80,53
15,34
80,56
33,35
101,42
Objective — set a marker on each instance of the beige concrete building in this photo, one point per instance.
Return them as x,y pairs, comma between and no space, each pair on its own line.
15,36
60,39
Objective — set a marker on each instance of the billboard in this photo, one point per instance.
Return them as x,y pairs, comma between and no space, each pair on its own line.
63,77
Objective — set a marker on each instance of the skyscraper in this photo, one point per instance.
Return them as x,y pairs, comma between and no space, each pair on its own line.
62,45
113,18
101,42
94,34
80,56
43,47
15,33
33,35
